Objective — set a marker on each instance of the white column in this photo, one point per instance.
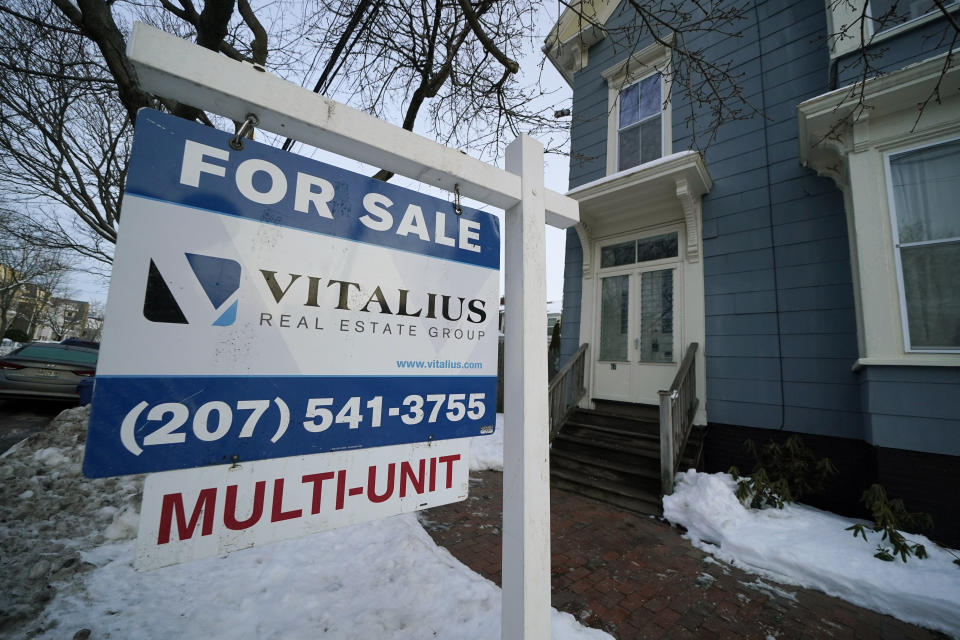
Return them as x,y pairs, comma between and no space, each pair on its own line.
526,479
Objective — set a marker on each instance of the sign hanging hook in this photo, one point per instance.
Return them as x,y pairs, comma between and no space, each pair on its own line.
236,142
456,199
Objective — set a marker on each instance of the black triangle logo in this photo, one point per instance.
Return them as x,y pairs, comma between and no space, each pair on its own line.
159,305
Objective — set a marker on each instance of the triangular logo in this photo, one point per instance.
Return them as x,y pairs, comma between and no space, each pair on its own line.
159,305
219,277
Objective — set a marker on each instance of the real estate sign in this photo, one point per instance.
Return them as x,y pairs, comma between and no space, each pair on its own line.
266,305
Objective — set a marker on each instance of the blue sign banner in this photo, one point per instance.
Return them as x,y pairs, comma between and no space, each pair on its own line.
280,188
179,422
265,305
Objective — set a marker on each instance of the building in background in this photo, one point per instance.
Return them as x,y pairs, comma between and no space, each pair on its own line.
32,312
63,318
812,252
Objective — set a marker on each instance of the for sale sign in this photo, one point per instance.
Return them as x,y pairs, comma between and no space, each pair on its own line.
198,513
266,305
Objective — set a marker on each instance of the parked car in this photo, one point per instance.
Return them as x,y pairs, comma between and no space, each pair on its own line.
46,370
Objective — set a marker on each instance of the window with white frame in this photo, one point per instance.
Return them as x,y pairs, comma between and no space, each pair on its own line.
924,187
640,122
638,90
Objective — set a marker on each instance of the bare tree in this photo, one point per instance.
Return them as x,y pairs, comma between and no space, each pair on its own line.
68,100
447,68
64,137
63,316
28,274
711,85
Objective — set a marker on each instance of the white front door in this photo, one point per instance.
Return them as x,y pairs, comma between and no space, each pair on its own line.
639,339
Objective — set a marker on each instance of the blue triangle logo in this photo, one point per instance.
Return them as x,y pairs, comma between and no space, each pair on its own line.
219,277
228,317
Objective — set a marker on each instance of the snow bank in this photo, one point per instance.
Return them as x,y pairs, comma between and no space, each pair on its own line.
486,452
807,547
49,514
382,580
385,579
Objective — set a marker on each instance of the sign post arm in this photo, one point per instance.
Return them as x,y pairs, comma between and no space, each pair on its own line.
526,495
174,68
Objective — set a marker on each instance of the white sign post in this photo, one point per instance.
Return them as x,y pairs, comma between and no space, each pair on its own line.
173,68
526,465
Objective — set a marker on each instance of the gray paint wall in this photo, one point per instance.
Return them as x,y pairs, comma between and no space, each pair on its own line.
912,408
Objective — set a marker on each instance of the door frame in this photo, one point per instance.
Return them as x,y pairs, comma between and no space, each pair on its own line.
635,269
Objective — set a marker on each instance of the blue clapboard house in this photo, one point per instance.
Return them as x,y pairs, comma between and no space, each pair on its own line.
799,274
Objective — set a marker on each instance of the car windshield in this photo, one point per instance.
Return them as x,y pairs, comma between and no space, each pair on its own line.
56,353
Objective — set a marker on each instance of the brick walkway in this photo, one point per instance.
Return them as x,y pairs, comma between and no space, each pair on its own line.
635,577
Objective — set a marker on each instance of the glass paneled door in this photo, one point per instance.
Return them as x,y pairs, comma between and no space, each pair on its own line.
639,330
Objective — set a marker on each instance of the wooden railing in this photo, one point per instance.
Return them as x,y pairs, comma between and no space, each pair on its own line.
678,406
566,388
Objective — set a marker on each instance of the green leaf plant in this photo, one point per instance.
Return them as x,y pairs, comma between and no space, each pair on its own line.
889,517
782,473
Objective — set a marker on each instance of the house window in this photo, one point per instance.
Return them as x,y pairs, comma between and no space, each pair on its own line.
657,247
924,192
614,315
640,127
638,94
886,14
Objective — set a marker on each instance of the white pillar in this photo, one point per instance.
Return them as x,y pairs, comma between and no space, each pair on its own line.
526,472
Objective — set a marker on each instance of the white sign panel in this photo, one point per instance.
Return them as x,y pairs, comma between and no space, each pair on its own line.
266,305
199,513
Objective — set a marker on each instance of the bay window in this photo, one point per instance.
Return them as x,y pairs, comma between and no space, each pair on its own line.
924,187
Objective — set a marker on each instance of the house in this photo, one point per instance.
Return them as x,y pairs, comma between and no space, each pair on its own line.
811,251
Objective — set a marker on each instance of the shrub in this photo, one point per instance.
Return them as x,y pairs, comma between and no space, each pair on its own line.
781,473
890,516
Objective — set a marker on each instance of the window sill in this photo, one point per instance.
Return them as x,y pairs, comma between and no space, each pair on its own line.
910,360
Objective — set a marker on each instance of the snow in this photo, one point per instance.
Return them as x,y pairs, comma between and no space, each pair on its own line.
486,452
385,579
803,546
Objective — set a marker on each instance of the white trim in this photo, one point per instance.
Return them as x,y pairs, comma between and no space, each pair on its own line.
897,245
934,360
579,27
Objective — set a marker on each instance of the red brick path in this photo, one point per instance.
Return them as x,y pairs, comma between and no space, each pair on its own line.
635,577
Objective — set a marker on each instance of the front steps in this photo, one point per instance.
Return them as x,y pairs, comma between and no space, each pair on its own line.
613,455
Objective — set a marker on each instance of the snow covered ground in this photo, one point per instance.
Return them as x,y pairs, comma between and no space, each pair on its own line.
807,547
385,579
